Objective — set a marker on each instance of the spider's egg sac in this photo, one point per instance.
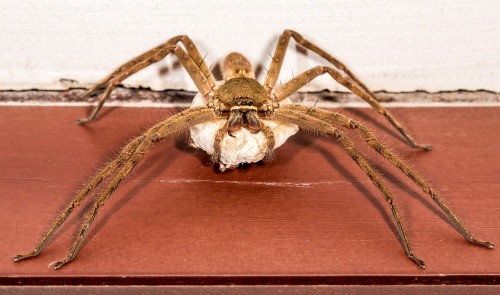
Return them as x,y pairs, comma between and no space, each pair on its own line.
244,147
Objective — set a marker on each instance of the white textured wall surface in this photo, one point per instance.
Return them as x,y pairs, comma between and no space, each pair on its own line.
392,45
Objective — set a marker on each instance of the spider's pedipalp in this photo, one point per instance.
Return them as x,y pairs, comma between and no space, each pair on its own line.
267,150
338,119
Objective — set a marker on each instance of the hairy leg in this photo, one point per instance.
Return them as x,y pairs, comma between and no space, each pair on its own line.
370,138
294,84
190,58
80,197
129,156
349,80
191,49
279,55
307,122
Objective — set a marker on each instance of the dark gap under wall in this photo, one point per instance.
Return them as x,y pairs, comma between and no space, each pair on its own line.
181,96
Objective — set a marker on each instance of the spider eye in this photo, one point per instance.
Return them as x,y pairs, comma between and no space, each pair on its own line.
244,101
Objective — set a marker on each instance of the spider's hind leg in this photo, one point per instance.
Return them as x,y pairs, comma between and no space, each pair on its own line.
373,142
307,122
177,123
128,158
80,197
135,157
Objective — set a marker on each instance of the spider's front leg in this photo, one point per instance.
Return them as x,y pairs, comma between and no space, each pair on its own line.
190,59
128,158
349,80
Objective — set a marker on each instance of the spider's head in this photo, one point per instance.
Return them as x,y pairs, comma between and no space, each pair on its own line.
244,98
242,91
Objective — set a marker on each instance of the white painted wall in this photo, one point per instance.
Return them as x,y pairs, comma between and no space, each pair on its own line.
392,45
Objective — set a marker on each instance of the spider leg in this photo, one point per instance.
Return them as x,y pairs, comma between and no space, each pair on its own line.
279,55
307,122
191,49
350,80
80,197
130,155
190,58
99,202
304,78
372,141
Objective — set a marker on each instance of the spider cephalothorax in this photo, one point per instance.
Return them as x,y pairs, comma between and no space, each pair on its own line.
244,98
244,133
239,120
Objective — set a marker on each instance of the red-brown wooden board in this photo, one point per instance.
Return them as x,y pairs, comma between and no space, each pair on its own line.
310,216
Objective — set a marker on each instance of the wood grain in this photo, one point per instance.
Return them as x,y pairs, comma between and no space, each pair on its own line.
308,217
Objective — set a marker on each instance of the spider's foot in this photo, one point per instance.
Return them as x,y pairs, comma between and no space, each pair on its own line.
425,147
418,261
20,257
414,144
484,244
83,121
61,263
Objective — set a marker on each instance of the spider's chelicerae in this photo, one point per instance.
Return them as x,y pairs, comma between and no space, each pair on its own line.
240,120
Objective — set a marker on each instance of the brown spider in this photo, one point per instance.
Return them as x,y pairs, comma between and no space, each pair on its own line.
239,120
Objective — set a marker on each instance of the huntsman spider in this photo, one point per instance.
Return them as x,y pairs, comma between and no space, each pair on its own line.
239,120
